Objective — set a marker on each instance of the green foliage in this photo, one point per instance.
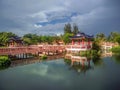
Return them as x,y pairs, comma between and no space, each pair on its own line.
35,39
75,29
44,57
66,38
4,61
56,39
83,53
48,39
100,37
117,39
113,35
30,39
68,61
67,28
96,46
4,37
116,50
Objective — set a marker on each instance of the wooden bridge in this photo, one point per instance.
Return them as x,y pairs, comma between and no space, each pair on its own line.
31,49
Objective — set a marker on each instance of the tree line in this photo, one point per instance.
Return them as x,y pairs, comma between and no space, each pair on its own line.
112,37
69,30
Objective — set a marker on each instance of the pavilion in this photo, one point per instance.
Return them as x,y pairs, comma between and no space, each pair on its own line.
15,41
80,42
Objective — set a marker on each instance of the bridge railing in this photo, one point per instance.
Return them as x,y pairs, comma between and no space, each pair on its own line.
29,49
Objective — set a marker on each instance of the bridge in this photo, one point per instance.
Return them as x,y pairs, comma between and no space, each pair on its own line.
41,49
34,49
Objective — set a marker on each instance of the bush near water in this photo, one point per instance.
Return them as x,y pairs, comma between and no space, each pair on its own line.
4,61
44,57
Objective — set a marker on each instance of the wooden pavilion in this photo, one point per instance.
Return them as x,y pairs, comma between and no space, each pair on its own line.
15,41
80,42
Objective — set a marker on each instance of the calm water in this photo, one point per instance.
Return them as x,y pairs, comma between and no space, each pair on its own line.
60,75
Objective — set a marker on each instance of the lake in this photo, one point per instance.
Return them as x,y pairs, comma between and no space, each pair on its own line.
59,74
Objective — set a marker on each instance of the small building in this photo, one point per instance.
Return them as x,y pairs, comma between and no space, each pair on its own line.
108,45
80,42
15,41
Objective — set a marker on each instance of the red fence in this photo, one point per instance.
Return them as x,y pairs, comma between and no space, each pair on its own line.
30,49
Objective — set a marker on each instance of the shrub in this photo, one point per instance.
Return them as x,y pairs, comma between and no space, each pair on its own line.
116,49
68,61
44,57
4,61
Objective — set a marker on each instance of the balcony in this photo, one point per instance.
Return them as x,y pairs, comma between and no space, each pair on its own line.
78,47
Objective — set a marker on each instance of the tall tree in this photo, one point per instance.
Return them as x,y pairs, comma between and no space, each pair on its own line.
75,29
112,36
67,28
100,37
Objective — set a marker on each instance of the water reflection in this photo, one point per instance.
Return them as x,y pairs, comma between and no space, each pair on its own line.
106,53
116,58
79,63
85,63
22,62
76,72
97,60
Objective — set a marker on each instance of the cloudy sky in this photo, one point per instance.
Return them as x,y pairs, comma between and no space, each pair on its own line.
50,16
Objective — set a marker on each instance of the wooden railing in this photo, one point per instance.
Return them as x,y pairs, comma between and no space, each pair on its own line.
79,46
30,49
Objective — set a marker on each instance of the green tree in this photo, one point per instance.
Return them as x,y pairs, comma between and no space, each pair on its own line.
67,28
75,29
112,36
96,46
31,39
56,39
100,37
117,39
4,37
66,38
27,41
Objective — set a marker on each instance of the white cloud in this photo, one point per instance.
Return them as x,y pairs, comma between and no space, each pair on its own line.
37,26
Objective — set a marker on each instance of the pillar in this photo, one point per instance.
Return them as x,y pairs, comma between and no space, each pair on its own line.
83,63
79,42
89,43
72,42
82,41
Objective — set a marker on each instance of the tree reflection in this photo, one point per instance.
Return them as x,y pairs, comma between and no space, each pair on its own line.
117,58
97,60
4,67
